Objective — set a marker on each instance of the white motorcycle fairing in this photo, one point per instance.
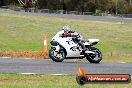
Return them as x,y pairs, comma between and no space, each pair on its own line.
68,44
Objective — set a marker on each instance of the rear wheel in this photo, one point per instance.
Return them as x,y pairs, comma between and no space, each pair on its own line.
57,56
94,58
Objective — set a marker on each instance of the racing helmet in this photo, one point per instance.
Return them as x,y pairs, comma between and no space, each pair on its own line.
66,31
66,28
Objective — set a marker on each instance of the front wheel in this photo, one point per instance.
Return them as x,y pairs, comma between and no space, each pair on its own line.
94,58
57,56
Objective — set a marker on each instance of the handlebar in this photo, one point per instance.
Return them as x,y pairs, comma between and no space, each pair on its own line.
71,31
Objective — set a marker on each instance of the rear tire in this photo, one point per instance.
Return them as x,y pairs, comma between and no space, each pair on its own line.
92,57
55,58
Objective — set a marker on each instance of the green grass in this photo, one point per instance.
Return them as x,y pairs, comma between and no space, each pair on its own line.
48,81
23,32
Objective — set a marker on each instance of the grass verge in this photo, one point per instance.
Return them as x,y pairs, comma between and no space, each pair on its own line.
48,81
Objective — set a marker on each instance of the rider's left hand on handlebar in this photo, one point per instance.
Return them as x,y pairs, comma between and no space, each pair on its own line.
71,31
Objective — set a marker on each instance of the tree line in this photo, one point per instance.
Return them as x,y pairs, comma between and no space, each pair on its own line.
101,6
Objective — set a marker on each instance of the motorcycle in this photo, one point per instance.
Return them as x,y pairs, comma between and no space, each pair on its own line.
67,47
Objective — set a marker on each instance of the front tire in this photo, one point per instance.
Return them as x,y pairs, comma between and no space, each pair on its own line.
94,58
55,57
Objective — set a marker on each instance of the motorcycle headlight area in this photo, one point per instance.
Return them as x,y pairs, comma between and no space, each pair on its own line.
56,48
53,48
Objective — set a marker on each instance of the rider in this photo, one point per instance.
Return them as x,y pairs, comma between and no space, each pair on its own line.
67,33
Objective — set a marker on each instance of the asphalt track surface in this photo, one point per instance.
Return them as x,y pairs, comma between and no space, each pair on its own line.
70,16
67,67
